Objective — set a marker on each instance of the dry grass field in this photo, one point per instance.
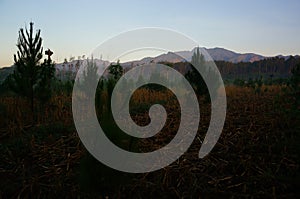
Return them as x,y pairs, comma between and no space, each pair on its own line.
257,155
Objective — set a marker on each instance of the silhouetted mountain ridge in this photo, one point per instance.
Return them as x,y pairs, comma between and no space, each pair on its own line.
226,59
217,54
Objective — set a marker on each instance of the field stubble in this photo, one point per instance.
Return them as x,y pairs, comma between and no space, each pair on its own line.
256,156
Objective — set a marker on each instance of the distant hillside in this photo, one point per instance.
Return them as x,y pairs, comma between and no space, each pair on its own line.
231,64
217,54
4,72
221,54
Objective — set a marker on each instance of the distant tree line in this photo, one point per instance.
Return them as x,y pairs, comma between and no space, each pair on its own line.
274,67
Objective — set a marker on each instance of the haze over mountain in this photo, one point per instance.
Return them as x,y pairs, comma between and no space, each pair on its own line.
217,54
221,54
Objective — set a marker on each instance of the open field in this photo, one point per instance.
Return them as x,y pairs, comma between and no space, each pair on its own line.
257,155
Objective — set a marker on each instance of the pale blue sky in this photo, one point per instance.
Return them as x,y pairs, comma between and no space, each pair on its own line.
76,27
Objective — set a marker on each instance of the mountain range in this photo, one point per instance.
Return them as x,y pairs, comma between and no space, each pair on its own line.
216,54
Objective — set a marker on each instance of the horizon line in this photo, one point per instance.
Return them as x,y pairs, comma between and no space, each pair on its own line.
207,48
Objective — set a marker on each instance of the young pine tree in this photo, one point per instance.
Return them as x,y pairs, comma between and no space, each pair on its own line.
207,72
194,77
116,71
31,79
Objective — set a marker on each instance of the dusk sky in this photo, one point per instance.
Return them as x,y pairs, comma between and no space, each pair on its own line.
73,28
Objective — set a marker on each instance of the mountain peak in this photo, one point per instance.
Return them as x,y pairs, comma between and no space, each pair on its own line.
217,54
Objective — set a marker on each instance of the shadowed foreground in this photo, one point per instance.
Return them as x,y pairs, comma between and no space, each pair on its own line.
256,156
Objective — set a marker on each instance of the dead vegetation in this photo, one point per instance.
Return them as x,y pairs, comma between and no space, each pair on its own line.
257,155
